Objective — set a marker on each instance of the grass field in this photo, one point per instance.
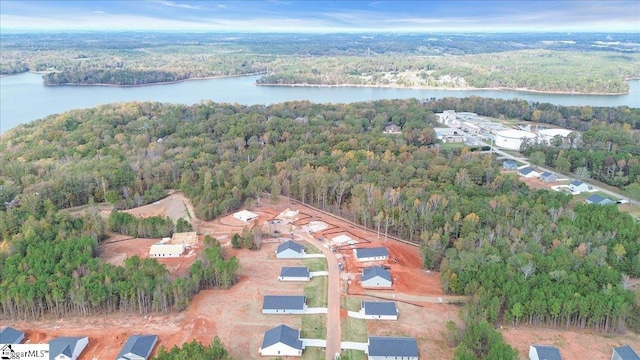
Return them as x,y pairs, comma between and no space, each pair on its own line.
353,329
316,292
313,326
313,353
353,355
315,264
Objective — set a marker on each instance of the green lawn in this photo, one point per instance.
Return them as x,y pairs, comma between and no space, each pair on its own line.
450,146
353,329
353,355
313,353
315,264
316,292
311,249
313,326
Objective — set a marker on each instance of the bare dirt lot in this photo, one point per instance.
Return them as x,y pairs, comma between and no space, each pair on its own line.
235,314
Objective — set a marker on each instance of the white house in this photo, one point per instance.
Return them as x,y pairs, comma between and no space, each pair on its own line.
9,335
544,352
67,348
245,215
371,254
138,347
284,304
392,348
624,353
375,277
166,250
282,341
577,187
289,250
379,310
528,172
295,273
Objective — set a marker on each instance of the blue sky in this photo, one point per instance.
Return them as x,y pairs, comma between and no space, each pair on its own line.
321,16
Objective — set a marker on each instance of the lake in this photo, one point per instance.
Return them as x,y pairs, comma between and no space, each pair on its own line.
24,98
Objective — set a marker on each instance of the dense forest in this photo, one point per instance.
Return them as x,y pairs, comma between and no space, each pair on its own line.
523,255
576,63
194,350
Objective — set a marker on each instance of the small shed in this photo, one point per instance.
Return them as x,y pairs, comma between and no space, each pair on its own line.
284,304
379,310
528,172
138,347
371,254
577,186
282,341
392,348
548,177
67,348
597,199
510,165
544,352
9,335
289,250
624,353
245,215
375,277
295,273
166,250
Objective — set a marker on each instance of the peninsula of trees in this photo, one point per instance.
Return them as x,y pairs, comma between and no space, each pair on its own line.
576,63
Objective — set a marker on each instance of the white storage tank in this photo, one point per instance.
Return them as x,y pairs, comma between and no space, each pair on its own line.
512,139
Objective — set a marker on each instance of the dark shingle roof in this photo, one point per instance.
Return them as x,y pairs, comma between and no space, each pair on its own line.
392,346
546,352
282,334
626,353
598,199
379,308
374,271
290,245
140,345
288,302
509,161
294,271
9,335
576,183
63,345
526,170
546,174
371,252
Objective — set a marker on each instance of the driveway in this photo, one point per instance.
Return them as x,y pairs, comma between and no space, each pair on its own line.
354,346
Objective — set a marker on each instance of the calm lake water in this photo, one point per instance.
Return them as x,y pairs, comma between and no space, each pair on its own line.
24,98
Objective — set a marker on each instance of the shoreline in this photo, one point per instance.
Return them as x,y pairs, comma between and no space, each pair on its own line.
160,83
448,88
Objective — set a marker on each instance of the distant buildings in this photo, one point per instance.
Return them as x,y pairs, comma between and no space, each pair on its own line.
512,139
392,129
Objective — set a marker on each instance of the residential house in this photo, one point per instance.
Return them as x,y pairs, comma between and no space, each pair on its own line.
392,129
379,310
294,273
166,250
548,177
289,250
245,215
624,353
528,172
284,304
9,335
282,341
392,348
577,187
598,200
375,277
544,352
67,348
138,347
510,165
371,254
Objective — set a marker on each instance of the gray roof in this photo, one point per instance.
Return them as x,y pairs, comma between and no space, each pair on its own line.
9,335
374,271
289,302
379,308
526,170
392,346
509,161
140,345
290,245
626,353
546,352
599,199
546,174
282,334
63,345
576,183
371,252
294,271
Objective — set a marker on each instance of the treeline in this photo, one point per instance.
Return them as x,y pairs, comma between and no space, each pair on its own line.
467,214
194,350
123,77
52,268
154,227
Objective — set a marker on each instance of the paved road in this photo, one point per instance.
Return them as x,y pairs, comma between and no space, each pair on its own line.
333,299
